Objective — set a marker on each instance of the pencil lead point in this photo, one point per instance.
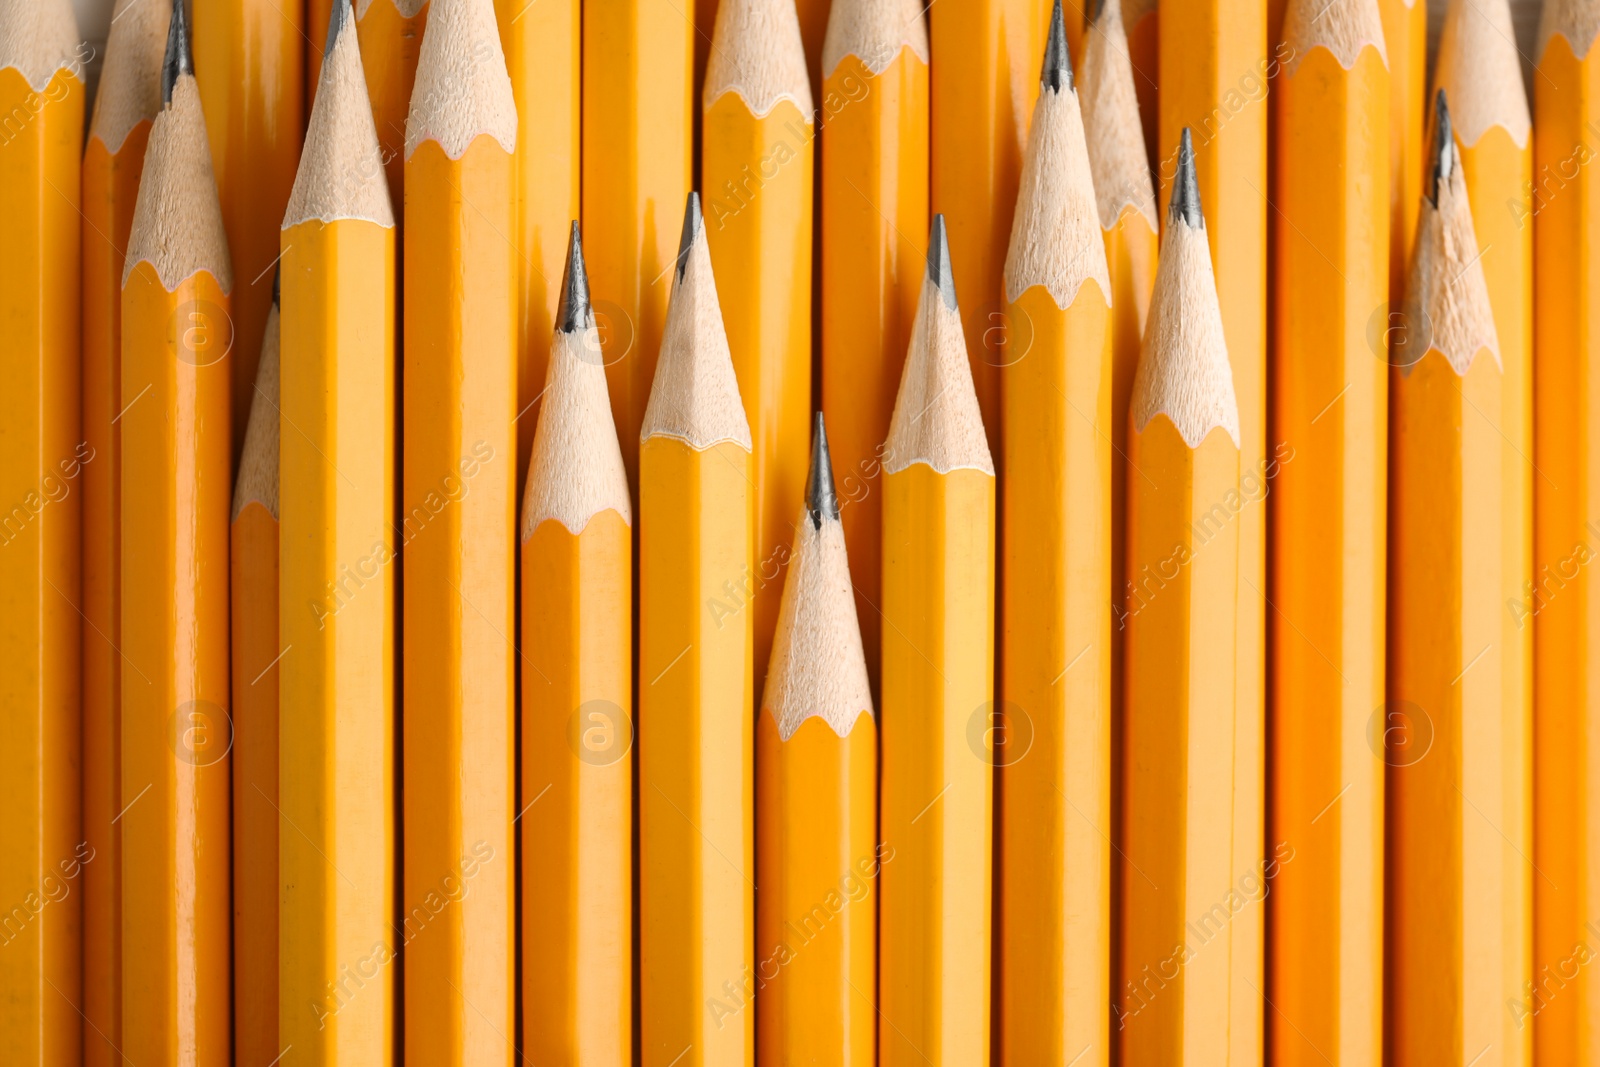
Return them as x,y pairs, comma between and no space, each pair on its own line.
180,57
1444,148
574,313
940,272
1185,203
338,18
1057,73
1099,9
693,222
822,501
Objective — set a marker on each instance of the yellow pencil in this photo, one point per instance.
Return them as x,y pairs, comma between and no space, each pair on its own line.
817,848
1480,69
696,693
1178,797
339,938
459,524
1330,422
577,700
1457,941
1054,930
1214,72
1566,92
938,669
42,852
176,490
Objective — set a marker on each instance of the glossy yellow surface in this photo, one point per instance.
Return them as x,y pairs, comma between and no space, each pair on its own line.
1054,900
1215,61
1177,805
1559,609
110,188
577,783
638,137
249,58
41,467
696,752
1330,431
1405,42
1454,876
340,938
256,802
176,732
457,514
760,238
937,788
985,78
816,928
874,190
544,54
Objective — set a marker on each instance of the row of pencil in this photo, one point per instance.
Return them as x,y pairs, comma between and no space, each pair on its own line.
1204,733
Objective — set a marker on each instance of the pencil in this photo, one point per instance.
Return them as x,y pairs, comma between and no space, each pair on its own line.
42,852
250,58
696,691
458,520
1330,417
176,490
544,51
336,671
874,170
638,139
1480,69
982,83
1054,929
1126,203
817,848
938,669
1214,71
1556,606
1141,19
1405,36
253,591
1172,1006
577,701
1454,960
757,174
112,162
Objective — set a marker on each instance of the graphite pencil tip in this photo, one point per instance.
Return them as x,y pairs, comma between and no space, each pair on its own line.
338,18
180,57
939,270
822,501
1057,73
692,223
574,312
1444,147
1185,203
